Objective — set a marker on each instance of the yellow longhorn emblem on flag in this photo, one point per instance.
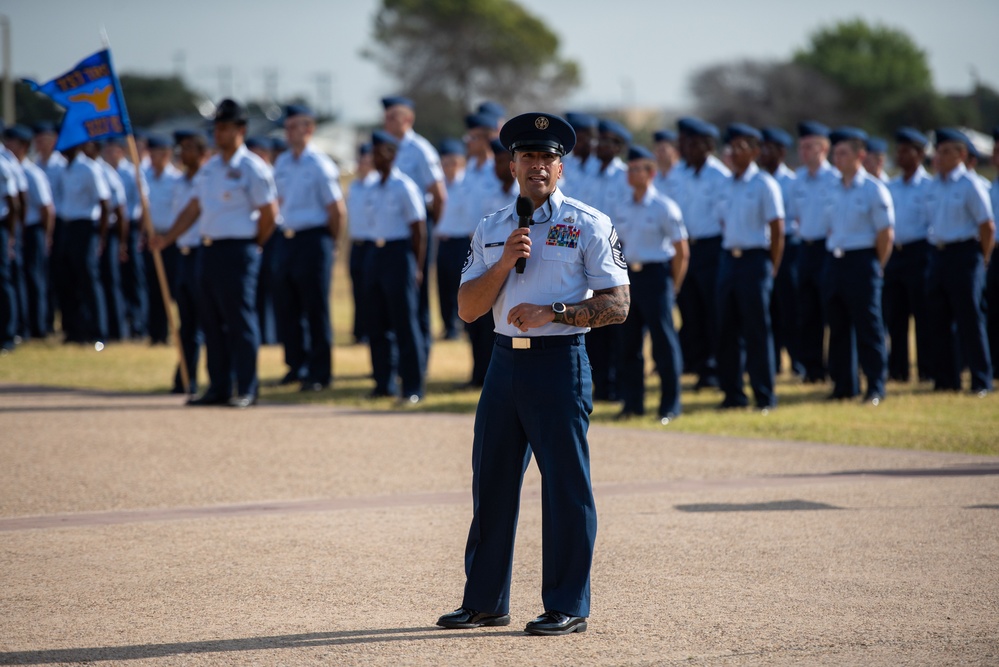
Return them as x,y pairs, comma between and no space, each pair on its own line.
99,98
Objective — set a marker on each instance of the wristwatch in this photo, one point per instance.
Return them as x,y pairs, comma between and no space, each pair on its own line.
559,309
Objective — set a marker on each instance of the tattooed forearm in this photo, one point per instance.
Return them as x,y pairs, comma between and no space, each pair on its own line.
608,306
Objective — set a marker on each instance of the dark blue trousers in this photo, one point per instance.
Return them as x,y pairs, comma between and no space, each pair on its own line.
134,286
35,262
652,311
451,254
8,295
954,293
784,308
228,310
358,256
538,401
992,311
904,297
812,319
852,301
114,297
302,277
186,292
267,318
699,326
20,284
481,334
58,263
84,295
396,340
745,337
158,327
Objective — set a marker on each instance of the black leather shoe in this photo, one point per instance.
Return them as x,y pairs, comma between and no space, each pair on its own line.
312,387
463,619
244,401
556,623
207,399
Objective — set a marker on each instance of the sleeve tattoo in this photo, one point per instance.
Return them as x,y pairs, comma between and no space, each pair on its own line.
606,306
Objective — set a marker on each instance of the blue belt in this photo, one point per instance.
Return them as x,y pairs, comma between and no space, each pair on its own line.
538,342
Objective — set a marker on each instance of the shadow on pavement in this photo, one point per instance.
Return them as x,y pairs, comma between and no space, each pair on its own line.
315,639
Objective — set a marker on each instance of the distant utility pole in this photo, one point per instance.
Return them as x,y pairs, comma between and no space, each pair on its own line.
324,92
179,64
271,78
9,116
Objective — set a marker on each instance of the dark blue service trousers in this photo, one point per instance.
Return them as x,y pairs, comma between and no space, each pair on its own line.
904,297
451,254
745,337
301,286
396,340
812,320
84,298
35,262
955,286
157,318
134,286
358,257
535,400
227,307
699,326
852,301
185,289
992,311
784,308
114,298
8,296
652,311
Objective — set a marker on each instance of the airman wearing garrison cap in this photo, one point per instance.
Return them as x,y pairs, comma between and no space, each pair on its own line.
962,236
904,295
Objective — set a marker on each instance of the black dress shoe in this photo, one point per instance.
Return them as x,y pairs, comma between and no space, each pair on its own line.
243,401
208,399
291,377
874,399
463,619
312,386
556,623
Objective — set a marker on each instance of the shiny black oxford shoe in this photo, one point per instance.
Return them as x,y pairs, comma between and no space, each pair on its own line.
463,619
556,623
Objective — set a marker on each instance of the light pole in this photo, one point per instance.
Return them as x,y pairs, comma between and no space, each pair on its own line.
8,83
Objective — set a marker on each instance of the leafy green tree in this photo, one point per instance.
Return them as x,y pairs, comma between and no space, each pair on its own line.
882,74
154,98
449,55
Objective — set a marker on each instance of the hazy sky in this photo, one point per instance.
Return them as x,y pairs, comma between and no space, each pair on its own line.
638,52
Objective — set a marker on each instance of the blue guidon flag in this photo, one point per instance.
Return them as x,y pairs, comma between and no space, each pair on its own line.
91,95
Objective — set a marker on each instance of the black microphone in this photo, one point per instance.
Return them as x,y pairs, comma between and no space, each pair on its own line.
525,209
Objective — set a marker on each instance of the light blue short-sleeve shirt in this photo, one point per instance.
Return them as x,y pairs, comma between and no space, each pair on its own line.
649,228
856,212
39,193
230,194
306,186
161,189
360,209
84,187
133,202
184,191
958,204
418,159
576,251
808,199
699,199
394,206
748,204
912,219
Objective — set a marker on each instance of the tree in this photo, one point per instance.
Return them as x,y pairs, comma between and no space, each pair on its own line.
763,93
449,54
880,71
151,99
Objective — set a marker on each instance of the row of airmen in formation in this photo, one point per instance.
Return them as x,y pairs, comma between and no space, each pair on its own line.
758,258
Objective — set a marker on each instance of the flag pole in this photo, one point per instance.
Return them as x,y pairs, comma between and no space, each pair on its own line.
147,227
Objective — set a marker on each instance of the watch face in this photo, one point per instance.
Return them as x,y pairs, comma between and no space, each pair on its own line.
558,307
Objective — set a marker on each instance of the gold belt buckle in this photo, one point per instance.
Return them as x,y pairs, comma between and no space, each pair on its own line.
289,233
636,267
838,253
941,245
185,250
737,252
380,243
206,241
521,343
